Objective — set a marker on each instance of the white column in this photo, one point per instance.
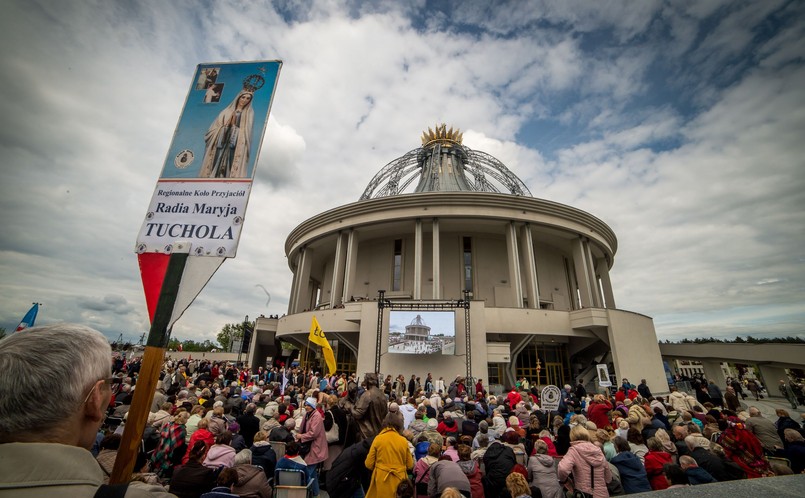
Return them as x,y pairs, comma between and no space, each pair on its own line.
418,260
582,274
437,272
302,297
351,262
294,283
606,283
532,283
514,265
595,289
339,261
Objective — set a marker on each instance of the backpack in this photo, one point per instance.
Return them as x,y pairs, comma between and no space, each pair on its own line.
421,449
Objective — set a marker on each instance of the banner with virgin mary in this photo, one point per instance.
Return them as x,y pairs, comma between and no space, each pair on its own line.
203,189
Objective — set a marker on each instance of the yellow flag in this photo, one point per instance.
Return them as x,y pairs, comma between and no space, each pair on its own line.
317,337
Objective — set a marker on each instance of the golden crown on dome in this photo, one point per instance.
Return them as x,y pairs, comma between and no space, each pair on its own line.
442,135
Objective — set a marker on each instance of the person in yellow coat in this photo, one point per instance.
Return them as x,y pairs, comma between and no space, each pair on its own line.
389,458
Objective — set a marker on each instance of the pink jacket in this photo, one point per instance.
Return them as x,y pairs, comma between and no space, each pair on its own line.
313,430
422,472
580,460
220,454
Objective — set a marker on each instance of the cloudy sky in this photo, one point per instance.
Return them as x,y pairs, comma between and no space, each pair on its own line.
680,124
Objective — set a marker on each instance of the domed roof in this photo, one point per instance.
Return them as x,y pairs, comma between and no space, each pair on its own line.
443,164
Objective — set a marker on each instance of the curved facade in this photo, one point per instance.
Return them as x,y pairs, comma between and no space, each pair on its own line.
537,275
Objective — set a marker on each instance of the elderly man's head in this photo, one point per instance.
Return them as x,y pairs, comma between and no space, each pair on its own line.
30,360
680,432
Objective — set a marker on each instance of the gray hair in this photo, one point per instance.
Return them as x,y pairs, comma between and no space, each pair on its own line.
76,355
243,456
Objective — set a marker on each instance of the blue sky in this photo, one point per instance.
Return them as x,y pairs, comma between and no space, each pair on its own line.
679,123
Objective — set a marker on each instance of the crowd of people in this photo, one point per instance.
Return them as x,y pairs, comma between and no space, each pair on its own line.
217,428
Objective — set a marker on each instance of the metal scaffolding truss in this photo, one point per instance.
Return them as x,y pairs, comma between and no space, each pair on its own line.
383,304
488,174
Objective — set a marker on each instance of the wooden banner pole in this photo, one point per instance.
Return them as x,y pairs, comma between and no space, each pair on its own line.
149,372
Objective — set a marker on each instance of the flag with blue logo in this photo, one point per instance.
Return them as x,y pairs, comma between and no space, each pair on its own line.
29,318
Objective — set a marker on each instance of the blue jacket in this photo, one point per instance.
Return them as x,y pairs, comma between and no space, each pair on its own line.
633,474
697,475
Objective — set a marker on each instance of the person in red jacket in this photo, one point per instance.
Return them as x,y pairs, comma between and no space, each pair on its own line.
598,412
655,459
200,434
514,397
448,427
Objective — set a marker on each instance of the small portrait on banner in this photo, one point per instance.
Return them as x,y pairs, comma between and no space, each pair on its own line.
213,93
603,375
207,77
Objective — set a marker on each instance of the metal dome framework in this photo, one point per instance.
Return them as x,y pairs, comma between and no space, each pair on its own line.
488,174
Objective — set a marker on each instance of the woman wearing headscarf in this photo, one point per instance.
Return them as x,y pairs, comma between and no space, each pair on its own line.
744,448
514,424
389,458
312,430
498,423
228,140
668,445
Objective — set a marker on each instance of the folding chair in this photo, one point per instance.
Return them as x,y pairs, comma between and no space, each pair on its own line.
291,483
279,448
784,461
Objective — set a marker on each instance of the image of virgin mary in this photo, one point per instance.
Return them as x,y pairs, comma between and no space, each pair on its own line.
228,140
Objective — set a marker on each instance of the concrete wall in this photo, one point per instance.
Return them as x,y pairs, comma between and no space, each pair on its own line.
552,276
527,321
491,268
375,259
788,355
635,351
771,375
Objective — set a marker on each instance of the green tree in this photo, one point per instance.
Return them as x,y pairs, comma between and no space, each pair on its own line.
228,334
191,346
2,332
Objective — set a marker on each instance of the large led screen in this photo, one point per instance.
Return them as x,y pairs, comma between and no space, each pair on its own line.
422,332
